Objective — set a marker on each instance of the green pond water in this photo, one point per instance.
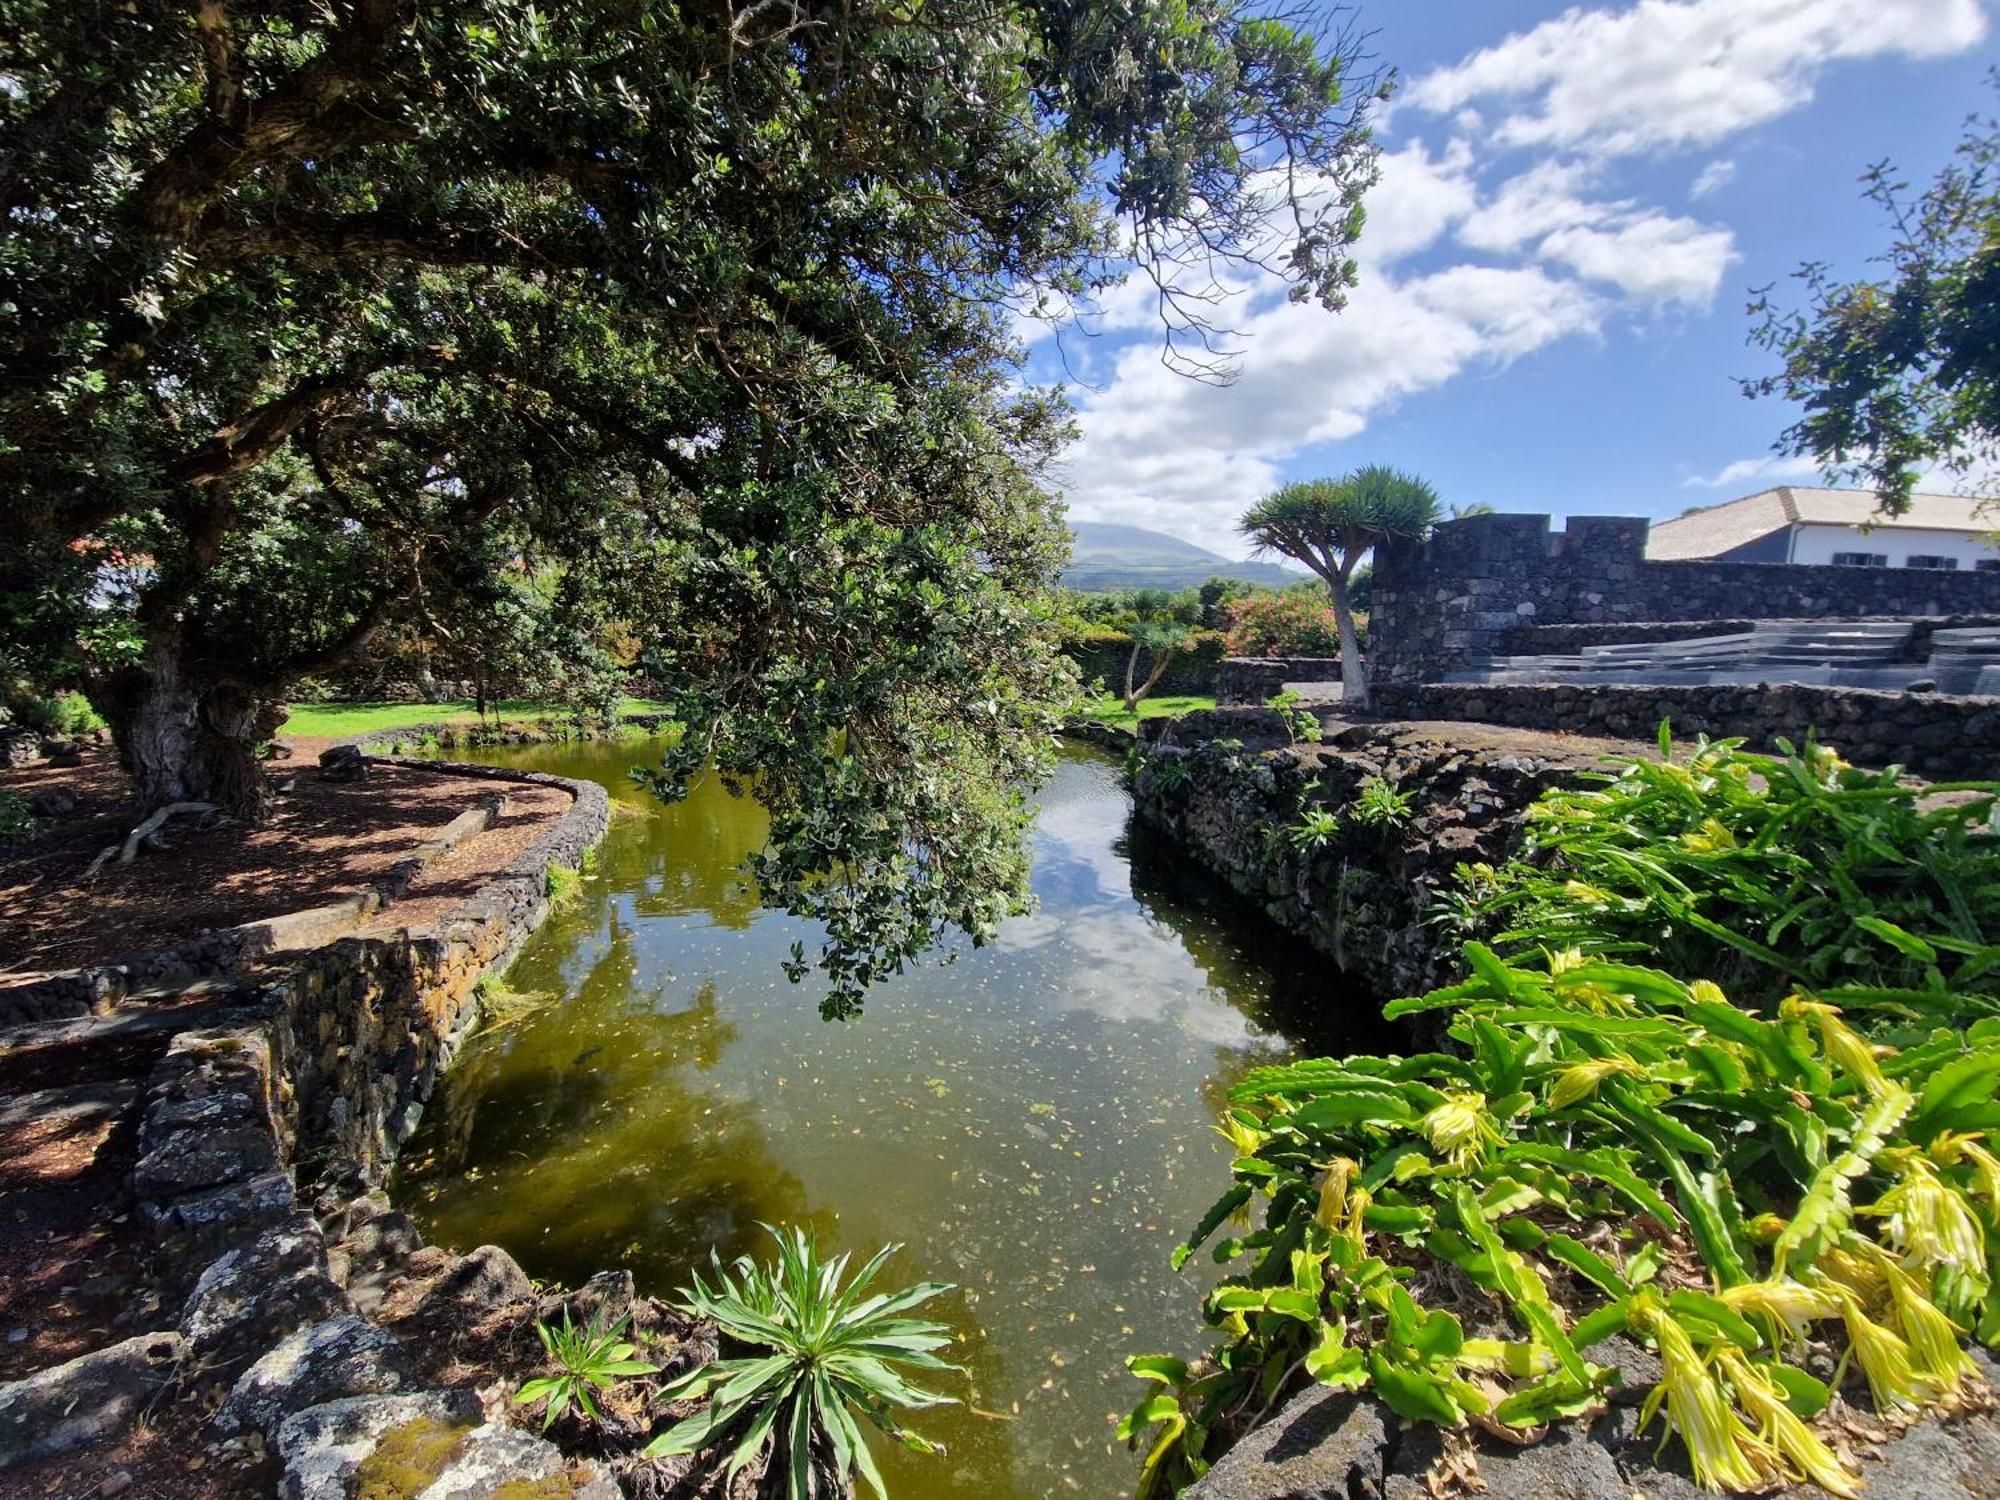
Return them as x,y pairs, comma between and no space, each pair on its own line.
1032,1121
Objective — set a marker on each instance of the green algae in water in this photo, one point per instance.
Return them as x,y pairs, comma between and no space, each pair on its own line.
1033,1121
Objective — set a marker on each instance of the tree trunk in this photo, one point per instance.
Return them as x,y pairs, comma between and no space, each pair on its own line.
1353,671
190,740
1131,668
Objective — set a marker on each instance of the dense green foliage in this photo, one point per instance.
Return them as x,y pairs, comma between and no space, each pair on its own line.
587,1360
1766,874
828,1351
1330,525
1773,1202
613,332
1286,622
1900,373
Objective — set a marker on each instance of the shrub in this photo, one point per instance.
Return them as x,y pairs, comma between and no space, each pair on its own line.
830,1352
64,715
1615,1151
1767,1199
1766,872
1287,622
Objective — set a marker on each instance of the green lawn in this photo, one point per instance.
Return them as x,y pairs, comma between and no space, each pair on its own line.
1111,710
321,720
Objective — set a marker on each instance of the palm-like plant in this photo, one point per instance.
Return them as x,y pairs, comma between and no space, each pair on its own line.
1162,623
832,1350
1329,525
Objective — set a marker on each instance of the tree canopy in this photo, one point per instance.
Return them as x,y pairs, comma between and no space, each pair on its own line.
317,317
1329,525
1900,373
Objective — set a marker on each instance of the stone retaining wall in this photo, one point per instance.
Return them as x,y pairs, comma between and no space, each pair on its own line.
1257,679
1459,596
313,1082
1226,786
1191,672
1937,735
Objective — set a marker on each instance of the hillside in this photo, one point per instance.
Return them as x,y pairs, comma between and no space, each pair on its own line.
1110,556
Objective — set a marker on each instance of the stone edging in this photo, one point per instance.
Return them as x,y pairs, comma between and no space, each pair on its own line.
319,1073
95,988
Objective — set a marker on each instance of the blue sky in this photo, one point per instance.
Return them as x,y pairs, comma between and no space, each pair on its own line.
1575,204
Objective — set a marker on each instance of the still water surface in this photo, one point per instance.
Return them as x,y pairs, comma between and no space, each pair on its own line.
1032,1120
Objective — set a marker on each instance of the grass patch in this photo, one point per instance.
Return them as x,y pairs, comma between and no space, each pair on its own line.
339,720
1111,710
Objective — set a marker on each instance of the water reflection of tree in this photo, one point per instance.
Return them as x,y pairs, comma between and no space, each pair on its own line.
580,1139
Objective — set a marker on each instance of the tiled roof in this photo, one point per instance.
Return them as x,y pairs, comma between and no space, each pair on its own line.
1715,529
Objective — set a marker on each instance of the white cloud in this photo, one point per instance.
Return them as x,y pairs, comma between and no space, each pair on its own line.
1771,470
1648,255
1713,178
1184,457
1417,200
1680,73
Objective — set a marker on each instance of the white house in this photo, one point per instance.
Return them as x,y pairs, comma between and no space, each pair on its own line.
1793,524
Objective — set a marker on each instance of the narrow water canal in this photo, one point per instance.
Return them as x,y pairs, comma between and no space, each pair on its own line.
1033,1120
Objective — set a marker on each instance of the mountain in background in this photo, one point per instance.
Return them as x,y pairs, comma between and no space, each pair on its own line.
1108,556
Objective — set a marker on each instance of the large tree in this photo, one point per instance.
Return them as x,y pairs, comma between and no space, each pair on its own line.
695,313
1899,373
1330,525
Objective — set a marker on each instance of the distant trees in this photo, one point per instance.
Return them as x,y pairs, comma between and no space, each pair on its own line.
1901,373
1329,525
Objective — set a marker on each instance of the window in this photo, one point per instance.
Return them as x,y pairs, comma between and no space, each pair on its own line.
1934,561
1861,559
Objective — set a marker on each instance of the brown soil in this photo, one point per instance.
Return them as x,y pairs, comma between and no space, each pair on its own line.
171,1455
322,842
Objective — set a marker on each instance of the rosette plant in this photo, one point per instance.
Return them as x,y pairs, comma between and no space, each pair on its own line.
825,1352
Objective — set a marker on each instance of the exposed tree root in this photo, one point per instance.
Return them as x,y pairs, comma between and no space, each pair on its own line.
146,833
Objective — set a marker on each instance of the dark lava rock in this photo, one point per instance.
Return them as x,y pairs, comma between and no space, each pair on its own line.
91,1399
343,763
344,1356
1324,1445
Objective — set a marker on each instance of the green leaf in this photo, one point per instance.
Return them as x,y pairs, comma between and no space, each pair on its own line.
1415,1395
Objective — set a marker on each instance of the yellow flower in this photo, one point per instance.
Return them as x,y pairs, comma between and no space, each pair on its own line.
1562,960
1843,1047
1958,1148
1584,891
1806,1457
1711,836
1333,1193
1459,1128
1782,1304
1935,1352
1929,1221
1243,1139
1893,1379
1580,1081
1724,1452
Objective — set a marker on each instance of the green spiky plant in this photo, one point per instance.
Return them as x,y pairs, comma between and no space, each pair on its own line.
1379,804
1771,1200
828,1352
589,1359
1763,873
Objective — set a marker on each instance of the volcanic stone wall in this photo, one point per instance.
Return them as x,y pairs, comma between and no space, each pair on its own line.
1937,735
1465,593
